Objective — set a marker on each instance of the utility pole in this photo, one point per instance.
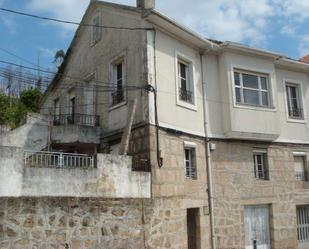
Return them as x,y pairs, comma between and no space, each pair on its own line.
124,145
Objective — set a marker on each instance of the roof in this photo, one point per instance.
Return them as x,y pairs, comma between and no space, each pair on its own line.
163,22
305,59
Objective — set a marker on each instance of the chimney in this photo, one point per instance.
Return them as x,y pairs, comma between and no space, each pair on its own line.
305,59
145,4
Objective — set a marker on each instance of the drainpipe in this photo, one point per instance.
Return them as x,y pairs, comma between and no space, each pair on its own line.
208,160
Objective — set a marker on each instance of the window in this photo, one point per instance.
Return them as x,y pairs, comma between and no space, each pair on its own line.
56,112
190,163
96,29
257,235
72,107
300,168
302,224
293,101
118,95
185,83
252,89
260,165
56,107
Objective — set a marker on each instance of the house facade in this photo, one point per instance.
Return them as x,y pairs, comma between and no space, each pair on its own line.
222,127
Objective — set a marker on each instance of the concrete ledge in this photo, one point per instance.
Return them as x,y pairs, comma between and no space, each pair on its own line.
76,134
113,178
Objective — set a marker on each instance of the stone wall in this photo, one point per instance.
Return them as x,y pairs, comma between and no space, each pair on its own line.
170,179
236,187
95,223
70,223
173,193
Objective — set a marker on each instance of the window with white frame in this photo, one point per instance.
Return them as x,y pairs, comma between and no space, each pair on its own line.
118,95
302,213
300,168
293,97
252,89
96,29
260,165
190,162
185,84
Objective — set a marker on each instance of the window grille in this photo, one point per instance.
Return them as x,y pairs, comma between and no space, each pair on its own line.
190,163
303,223
260,166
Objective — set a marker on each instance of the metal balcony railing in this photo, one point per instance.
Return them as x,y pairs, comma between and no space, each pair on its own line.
191,172
185,95
117,97
44,159
296,113
300,176
76,119
261,174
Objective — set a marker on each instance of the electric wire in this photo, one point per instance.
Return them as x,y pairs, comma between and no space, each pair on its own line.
71,22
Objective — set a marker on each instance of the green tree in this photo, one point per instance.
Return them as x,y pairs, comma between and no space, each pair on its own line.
30,99
14,114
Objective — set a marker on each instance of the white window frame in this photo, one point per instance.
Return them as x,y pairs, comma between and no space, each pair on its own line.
179,57
95,40
265,166
298,175
121,58
300,99
191,170
259,89
271,78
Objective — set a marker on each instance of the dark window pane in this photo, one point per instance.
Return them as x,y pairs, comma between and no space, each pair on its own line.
293,92
251,97
237,93
237,79
119,71
184,85
263,83
250,81
182,70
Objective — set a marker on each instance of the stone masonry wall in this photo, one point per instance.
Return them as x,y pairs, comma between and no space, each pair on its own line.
236,187
94,223
172,190
69,223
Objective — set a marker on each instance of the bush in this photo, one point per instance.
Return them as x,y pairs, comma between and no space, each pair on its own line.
14,115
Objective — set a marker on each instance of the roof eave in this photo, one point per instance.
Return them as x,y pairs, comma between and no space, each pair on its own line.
179,30
240,47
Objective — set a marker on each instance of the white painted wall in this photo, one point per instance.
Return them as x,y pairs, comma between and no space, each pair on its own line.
173,113
225,118
113,178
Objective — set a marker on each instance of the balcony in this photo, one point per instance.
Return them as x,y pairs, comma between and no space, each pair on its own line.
296,113
117,97
185,95
46,174
45,159
76,129
76,119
